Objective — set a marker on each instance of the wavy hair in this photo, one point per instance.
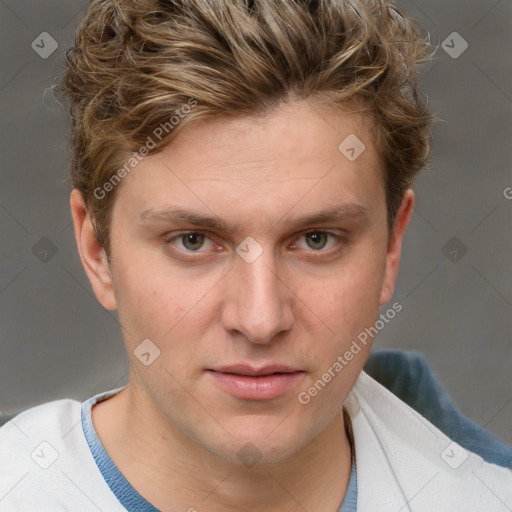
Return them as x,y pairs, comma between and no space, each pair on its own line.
135,64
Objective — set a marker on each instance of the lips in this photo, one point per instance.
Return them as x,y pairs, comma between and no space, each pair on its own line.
242,369
249,383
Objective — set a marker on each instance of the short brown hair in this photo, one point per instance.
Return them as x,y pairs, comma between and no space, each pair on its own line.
136,64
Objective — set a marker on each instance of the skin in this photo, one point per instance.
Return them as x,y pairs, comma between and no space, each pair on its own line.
173,432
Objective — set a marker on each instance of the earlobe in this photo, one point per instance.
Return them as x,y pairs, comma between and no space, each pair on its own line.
395,246
92,253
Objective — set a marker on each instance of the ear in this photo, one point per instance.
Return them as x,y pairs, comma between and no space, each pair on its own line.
395,246
93,255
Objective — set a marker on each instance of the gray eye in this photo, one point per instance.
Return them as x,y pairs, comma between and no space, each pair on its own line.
192,241
318,239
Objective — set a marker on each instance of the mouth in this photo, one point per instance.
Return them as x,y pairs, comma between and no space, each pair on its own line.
250,383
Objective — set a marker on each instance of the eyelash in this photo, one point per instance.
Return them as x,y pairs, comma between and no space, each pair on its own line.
178,236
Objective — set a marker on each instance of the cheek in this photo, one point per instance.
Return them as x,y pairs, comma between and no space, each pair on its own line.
348,306
148,303
157,302
348,301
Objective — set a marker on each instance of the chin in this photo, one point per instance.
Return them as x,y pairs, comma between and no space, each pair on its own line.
266,440
250,453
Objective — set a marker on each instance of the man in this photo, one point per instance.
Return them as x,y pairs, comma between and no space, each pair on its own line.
241,188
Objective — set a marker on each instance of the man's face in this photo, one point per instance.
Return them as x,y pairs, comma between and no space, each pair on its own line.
264,291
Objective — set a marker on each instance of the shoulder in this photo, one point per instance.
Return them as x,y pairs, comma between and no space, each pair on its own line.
54,416
30,444
38,427
46,464
401,455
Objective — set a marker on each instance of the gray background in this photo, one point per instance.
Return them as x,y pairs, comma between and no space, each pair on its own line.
56,340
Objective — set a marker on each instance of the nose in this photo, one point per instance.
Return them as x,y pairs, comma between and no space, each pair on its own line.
258,301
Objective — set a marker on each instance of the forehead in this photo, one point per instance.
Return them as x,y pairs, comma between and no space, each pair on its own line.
302,155
302,133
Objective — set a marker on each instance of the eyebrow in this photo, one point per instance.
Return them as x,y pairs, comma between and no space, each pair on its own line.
348,211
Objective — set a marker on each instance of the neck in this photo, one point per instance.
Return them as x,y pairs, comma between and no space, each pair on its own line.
173,472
